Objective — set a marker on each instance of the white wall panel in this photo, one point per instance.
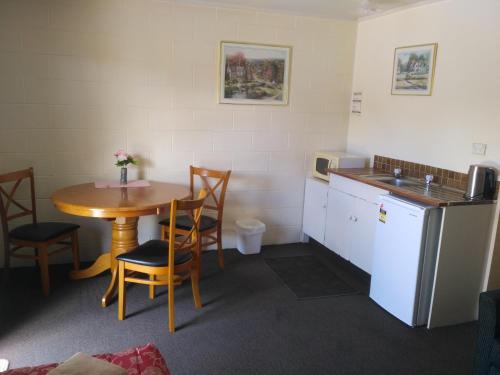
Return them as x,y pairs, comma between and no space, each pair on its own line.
80,79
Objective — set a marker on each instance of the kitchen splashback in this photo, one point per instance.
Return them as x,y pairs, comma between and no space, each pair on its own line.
441,176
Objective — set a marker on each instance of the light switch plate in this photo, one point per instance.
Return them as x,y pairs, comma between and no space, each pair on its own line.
479,148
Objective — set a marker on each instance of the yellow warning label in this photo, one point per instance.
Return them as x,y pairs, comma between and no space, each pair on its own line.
382,216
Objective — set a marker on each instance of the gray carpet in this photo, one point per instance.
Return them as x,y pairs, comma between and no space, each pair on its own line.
250,324
307,277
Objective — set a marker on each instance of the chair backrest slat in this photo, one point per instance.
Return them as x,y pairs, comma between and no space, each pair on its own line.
7,198
14,176
193,209
10,196
210,207
19,214
215,183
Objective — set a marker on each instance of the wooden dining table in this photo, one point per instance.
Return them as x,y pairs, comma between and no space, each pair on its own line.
124,206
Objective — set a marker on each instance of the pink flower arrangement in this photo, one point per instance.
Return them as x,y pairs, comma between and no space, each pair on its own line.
123,159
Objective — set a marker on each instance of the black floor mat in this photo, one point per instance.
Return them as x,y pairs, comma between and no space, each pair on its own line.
308,278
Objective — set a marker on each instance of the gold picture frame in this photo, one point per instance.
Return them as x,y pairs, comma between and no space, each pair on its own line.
254,73
413,69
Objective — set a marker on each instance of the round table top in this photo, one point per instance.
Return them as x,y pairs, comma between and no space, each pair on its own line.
87,200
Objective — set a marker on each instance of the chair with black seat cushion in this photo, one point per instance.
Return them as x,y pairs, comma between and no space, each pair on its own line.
215,183
487,357
166,262
39,236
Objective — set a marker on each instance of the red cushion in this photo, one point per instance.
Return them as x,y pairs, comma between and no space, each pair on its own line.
141,360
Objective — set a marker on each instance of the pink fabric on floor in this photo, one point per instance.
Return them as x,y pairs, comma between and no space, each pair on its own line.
116,184
145,360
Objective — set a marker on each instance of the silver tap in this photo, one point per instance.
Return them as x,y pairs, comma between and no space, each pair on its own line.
428,180
397,172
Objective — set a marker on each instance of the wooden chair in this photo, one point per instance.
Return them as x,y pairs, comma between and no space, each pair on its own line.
215,182
166,263
36,235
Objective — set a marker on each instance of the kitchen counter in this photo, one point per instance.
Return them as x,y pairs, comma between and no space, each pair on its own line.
436,195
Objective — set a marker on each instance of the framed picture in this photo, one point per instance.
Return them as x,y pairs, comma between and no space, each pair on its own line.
254,73
413,71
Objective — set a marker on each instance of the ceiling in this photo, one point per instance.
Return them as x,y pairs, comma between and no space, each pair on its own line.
338,9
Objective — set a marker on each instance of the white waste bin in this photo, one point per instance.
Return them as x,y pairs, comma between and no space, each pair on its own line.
249,235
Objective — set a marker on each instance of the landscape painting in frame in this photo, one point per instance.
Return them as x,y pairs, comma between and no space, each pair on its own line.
414,70
254,73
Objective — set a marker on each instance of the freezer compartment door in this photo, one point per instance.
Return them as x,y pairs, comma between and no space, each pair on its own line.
397,258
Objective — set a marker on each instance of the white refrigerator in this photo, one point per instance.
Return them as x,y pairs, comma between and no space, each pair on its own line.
404,259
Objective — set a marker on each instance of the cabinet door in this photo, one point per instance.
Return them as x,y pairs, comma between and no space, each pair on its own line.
338,222
315,199
362,233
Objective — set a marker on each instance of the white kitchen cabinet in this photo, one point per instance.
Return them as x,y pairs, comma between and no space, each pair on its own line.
315,202
339,221
343,217
352,214
350,228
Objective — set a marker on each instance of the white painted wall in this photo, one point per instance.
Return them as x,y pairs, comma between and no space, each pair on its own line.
81,79
438,130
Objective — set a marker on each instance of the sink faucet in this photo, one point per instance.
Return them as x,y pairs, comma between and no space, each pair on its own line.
428,179
397,172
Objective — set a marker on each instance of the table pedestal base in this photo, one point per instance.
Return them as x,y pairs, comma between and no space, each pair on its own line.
123,239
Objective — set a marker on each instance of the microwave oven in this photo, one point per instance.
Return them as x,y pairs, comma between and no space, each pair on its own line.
334,159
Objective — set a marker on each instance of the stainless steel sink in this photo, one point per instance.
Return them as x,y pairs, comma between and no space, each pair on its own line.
401,182
391,180
379,177
418,186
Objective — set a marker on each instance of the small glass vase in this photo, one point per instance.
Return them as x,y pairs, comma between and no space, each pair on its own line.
123,176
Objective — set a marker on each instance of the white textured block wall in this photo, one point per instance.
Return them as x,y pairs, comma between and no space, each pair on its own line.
81,79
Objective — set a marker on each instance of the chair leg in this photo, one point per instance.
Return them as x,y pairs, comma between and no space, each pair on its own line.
195,282
43,261
75,248
163,230
152,287
121,290
220,252
171,324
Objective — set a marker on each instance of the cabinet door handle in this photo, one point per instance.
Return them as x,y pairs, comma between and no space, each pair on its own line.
355,218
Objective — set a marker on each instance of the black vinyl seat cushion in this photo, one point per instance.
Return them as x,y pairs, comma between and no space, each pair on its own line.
154,253
41,232
184,222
